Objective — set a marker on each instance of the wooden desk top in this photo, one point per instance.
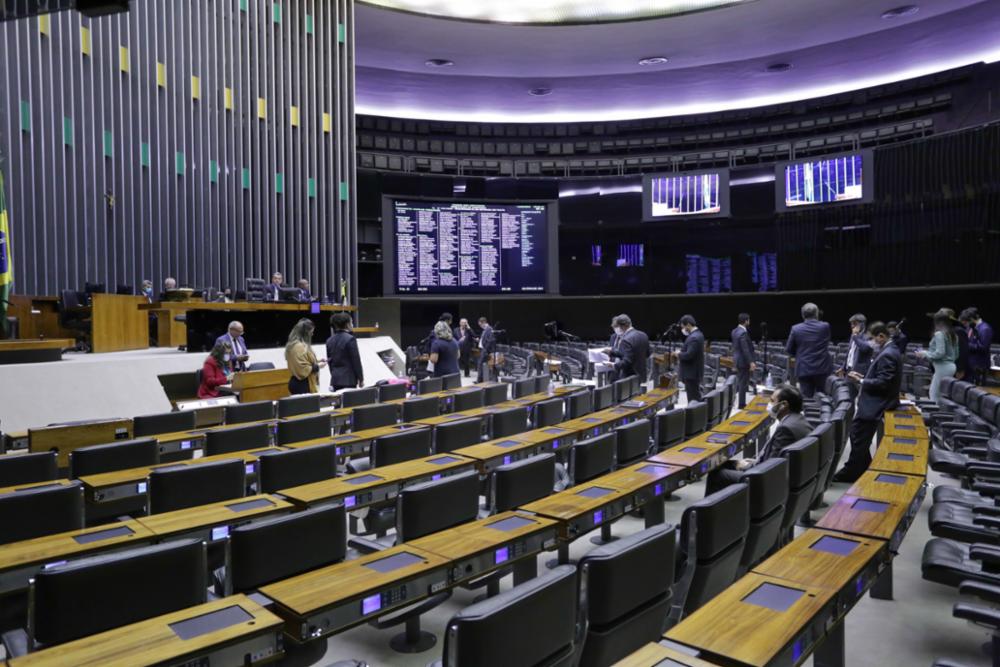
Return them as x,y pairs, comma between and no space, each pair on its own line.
117,477
863,515
153,642
348,438
905,429
805,560
743,422
655,655
891,487
759,403
313,591
34,485
891,456
640,475
491,449
203,516
184,306
735,629
700,449
61,546
67,437
20,344
569,504
472,538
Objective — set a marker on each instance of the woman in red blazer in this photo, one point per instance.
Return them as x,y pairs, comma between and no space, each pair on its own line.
213,373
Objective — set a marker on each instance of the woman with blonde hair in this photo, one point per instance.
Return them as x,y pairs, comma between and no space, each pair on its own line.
942,351
301,359
444,350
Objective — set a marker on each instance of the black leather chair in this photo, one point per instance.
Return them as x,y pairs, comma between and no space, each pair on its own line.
548,413
627,586
299,429
429,385
395,448
420,408
521,482
167,422
28,468
826,436
592,457
712,539
292,406
951,562
670,428
633,442
177,488
279,470
241,413
457,434
35,512
391,392
622,389
768,485
695,418
453,381
978,524
604,397
495,393
713,401
352,398
803,473
238,439
113,456
509,422
523,387
373,416
542,383
467,400
579,404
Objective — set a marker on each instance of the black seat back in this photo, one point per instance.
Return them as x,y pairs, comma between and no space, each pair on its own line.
373,416
542,383
548,413
695,418
593,457
352,398
521,482
495,393
28,468
670,428
429,507
622,389
826,436
279,548
713,401
238,439
522,387
604,397
628,587
509,422
196,484
299,429
989,409
120,455
40,511
166,422
803,470
452,381
946,385
391,392
580,404
292,406
403,446
633,442
768,484
241,413
454,435
421,408
467,400
429,385
95,594
279,470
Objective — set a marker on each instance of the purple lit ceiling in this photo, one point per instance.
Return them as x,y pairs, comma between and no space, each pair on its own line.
717,59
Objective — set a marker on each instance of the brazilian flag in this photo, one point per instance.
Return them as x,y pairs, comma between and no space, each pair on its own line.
6,261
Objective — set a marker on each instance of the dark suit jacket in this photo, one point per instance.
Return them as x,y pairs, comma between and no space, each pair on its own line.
304,295
902,340
863,356
692,357
808,343
489,343
742,348
632,354
271,292
790,430
979,345
962,363
464,344
880,388
239,347
344,360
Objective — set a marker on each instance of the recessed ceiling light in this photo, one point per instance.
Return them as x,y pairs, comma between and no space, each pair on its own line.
899,12
439,62
540,92
778,67
653,60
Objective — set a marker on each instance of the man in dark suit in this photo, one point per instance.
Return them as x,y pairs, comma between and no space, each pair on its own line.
692,358
343,357
239,355
899,336
808,342
466,339
980,335
879,392
487,347
859,353
305,296
786,408
631,351
272,290
743,359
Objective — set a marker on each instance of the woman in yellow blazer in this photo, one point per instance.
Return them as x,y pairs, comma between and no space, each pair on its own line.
301,360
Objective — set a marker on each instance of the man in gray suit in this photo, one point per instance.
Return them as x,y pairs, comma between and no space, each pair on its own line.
786,408
631,351
808,343
743,358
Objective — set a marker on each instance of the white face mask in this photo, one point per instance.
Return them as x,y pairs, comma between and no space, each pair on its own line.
772,409
225,357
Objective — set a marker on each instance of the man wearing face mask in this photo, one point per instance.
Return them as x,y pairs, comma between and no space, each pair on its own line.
786,409
238,355
859,354
692,358
630,349
879,391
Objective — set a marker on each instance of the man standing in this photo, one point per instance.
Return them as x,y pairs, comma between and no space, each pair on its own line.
743,360
980,338
487,348
692,358
879,391
859,354
343,356
808,342
272,291
631,351
463,334
239,355
899,336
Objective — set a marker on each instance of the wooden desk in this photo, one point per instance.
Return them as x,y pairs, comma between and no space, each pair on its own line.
701,454
66,438
354,443
19,561
748,421
214,521
336,597
118,324
180,307
658,655
736,626
266,385
501,451
895,427
878,505
33,350
251,630
901,455
38,316
582,508
645,481
35,485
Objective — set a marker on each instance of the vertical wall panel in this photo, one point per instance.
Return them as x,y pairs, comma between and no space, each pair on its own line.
120,166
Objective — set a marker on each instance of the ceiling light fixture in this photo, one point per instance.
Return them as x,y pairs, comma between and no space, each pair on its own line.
778,67
653,60
899,12
439,62
540,92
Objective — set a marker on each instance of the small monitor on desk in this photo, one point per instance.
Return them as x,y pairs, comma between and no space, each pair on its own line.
289,294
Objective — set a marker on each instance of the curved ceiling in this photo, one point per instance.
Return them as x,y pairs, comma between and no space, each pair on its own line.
716,59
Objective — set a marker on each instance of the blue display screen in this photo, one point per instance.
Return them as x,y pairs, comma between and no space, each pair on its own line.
501,555
824,181
371,604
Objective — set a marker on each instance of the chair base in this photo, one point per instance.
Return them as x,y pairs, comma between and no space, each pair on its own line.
605,537
413,640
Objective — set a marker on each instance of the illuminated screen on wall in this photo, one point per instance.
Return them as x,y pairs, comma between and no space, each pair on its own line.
469,247
696,194
827,180
631,254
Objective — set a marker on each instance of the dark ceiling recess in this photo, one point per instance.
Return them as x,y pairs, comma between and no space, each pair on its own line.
20,9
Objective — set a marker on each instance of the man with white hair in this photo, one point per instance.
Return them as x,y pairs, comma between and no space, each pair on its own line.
631,351
234,338
808,343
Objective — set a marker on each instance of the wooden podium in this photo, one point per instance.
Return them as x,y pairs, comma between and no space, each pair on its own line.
268,385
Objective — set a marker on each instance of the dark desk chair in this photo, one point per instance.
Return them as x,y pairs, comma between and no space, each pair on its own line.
391,392
548,413
825,434
292,406
352,398
192,485
420,408
468,400
522,387
579,404
429,385
240,439
713,400
453,381
260,366
91,595
409,444
670,428
521,482
633,442
279,470
728,397
627,586
592,457
768,485
712,538
166,422
951,562
303,428
122,455
40,511
509,422
604,397
241,413
74,314
457,434
496,393
542,383
28,468
373,416
622,389
695,418
803,470
481,634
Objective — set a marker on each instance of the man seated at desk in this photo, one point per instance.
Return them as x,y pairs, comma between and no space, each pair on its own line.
238,355
272,291
305,296
786,408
